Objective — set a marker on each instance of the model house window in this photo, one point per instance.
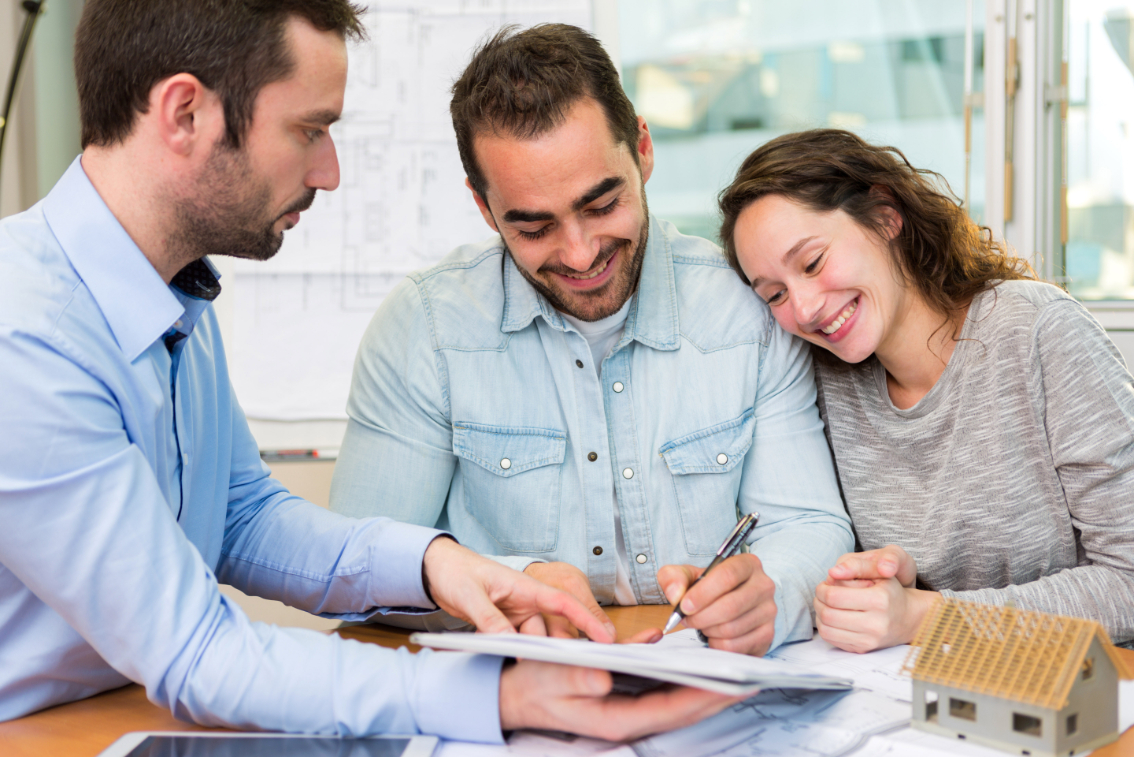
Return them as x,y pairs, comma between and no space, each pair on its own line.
1028,724
1088,668
1072,724
962,708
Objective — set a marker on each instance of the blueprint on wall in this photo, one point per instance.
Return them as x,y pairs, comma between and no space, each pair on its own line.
401,205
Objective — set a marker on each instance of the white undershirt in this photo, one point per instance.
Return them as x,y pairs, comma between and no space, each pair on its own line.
601,337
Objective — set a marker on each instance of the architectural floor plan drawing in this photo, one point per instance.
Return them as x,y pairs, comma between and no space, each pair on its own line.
401,205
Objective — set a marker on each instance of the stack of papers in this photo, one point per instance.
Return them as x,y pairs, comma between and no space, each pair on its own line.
703,668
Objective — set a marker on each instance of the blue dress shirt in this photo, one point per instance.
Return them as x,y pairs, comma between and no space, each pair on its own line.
475,407
129,484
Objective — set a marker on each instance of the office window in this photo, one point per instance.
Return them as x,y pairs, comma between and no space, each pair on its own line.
717,78
1100,149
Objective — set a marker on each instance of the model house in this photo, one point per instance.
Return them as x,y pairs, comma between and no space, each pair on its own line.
1026,682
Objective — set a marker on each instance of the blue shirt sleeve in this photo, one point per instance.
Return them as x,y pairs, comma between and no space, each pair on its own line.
789,479
399,420
89,533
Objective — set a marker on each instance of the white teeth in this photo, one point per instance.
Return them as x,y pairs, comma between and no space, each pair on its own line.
837,324
585,276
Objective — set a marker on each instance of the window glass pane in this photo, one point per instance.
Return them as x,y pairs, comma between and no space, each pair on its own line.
1100,149
717,78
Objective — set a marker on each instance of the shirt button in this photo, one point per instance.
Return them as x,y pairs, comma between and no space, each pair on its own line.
722,458
597,550
592,456
628,473
505,463
579,363
641,559
177,324
618,387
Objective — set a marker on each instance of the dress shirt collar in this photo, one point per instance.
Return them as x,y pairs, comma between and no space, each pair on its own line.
652,319
137,304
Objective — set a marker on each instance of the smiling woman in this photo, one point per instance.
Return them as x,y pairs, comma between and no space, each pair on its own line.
997,407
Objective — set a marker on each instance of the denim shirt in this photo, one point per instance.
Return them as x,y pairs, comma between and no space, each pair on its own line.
474,408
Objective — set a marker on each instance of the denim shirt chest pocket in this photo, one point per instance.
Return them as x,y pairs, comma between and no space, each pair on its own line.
512,485
706,467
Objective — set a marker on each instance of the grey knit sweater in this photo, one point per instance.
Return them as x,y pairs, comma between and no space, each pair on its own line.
1013,478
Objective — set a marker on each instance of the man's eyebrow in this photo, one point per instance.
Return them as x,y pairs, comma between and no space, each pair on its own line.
592,194
321,117
597,191
795,248
527,216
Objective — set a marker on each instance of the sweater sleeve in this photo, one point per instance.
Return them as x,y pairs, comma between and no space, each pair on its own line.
1085,396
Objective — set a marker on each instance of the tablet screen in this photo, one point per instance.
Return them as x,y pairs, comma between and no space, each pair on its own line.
267,746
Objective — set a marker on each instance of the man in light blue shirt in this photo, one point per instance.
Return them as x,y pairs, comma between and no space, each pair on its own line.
129,481
590,396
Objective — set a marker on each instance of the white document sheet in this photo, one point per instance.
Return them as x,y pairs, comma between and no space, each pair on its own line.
829,723
878,671
535,744
704,668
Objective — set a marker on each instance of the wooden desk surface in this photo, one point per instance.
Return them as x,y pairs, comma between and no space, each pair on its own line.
85,728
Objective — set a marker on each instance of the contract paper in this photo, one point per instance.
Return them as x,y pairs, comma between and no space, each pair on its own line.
704,668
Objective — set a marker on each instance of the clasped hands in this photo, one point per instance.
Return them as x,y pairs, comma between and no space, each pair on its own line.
497,599
869,600
734,607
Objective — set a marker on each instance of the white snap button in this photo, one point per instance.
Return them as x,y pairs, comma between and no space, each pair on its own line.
641,559
618,387
722,458
628,473
505,463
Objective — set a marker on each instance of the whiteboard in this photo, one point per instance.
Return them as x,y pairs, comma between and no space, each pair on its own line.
296,320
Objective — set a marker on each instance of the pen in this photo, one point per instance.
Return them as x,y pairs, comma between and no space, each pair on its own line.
731,544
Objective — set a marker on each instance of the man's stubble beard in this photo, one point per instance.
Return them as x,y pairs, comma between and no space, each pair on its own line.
229,213
615,298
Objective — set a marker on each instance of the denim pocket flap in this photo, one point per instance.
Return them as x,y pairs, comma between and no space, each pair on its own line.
717,449
508,451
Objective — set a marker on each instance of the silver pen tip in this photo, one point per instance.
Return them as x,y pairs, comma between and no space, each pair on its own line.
671,624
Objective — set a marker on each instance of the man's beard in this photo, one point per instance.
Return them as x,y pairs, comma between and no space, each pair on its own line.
229,213
608,299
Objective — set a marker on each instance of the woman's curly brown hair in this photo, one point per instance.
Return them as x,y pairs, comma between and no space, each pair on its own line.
939,249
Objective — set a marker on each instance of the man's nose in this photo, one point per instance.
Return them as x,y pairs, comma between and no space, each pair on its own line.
580,249
324,173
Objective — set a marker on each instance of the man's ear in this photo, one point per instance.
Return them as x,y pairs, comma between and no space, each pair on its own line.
185,113
483,206
645,150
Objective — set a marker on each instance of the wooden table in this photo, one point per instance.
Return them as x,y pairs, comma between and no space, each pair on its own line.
85,728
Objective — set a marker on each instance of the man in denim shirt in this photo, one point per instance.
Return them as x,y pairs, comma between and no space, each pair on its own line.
591,396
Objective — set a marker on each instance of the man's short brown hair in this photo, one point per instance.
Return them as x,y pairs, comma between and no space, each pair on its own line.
235,47
523,83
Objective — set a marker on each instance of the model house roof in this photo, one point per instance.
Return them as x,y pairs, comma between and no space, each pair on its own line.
1022,656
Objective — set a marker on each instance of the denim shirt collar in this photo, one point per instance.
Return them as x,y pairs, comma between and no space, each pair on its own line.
138,306
652,319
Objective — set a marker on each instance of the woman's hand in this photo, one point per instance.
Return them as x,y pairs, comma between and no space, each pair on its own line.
869,601
889,562
865,618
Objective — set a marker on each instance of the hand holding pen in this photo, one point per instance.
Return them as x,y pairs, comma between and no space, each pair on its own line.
732,601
